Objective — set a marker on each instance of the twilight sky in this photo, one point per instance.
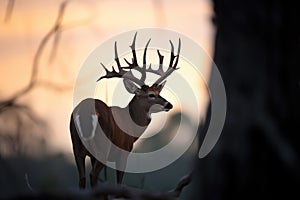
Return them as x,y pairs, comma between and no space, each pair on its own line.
86,25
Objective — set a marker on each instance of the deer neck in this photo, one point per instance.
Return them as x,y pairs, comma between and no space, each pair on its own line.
138,112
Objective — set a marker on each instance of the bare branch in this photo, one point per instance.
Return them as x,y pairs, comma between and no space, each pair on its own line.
182,183
44,41
35,66
28,183
55,46
9,10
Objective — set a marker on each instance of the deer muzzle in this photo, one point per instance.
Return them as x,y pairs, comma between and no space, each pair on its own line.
168,106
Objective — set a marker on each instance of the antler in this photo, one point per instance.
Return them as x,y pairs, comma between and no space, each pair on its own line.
125,72
164,74
122,73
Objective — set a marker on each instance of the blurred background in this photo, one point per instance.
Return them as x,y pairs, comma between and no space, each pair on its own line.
43,45
257,51
255,45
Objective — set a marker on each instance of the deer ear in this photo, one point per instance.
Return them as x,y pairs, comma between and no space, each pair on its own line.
161,86
131,87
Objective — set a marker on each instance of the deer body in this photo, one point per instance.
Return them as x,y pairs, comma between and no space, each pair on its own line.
110,128
122,126
106,119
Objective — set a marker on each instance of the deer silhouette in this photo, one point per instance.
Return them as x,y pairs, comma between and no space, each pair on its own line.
122,126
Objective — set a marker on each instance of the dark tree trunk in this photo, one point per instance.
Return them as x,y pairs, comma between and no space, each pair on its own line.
258,54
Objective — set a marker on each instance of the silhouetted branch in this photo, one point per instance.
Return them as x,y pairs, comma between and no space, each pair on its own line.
28,183
13,141
182,183
9,10
55,45
29,113
22,116
35,66
56,30
52,32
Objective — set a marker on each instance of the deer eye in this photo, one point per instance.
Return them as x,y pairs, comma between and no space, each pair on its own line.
151,95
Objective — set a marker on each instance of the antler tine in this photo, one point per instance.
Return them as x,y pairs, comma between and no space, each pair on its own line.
178,52
126,72
134,60
172,66
111,74
121,72
143,70
160,70
161,60
134,64
132,46
145,53
117,57
114,73
172,56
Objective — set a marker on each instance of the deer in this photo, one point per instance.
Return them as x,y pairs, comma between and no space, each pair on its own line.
137,113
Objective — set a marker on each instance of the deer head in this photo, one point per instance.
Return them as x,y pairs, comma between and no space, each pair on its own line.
148,96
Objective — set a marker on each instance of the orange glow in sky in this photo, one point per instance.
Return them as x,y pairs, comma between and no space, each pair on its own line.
86,25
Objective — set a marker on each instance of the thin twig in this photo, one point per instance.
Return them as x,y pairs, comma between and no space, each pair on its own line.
182,183
27,183
55,46
9,10
36,60
44,41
